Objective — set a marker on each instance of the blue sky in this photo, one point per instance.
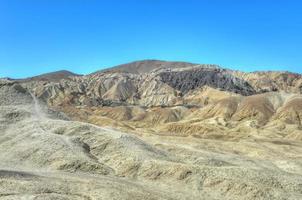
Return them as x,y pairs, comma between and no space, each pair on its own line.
38,36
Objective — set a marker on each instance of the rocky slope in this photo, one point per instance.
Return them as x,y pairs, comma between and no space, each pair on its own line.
152,130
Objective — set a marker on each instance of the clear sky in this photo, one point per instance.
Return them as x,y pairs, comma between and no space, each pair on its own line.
38,36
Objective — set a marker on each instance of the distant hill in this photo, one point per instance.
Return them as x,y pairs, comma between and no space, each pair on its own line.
51,77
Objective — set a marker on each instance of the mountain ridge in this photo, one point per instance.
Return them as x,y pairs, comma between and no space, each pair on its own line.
149,62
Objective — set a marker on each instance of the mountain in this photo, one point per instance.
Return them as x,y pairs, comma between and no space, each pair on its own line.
146,66
181,90
152,130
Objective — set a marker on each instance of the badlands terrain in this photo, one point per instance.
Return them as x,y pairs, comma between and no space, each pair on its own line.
152,130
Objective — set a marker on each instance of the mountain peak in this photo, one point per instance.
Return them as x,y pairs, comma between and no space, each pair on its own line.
146,66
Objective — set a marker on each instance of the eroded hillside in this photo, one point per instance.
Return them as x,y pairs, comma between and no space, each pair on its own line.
171,97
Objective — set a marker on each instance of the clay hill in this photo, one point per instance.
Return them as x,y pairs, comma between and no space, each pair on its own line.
152,130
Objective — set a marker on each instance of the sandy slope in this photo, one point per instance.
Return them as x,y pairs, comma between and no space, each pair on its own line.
45,156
